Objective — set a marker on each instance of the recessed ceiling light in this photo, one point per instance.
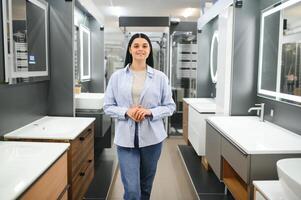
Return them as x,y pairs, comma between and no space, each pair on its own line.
188,12
116,10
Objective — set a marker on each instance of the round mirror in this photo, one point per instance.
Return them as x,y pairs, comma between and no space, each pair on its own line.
213,57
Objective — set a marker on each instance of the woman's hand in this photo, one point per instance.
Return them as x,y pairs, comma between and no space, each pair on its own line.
138,113
141,113
131,113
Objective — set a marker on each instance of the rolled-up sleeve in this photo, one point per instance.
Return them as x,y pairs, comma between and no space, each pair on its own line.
110,105
168,106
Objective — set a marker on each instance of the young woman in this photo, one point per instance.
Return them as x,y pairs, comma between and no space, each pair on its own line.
138,97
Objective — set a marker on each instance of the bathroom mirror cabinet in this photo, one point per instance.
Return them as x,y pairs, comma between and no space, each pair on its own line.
279,74
213,57
25,28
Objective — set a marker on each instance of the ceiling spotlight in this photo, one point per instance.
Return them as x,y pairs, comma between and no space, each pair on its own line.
116,10
188,12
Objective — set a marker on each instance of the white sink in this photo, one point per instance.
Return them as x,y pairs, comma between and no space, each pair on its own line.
89,101
290,175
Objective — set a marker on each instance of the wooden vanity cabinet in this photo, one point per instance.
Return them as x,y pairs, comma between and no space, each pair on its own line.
81,163
53,184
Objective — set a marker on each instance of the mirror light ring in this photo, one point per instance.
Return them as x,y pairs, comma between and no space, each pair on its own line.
214,38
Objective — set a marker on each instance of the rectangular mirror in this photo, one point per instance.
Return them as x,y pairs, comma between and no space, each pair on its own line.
25,36
85,65
279,74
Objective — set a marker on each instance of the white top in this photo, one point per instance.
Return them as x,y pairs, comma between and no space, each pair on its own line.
22,163
202,105
138,85
273,190
53,128
255,137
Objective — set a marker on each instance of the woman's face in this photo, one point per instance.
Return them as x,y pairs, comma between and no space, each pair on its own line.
140,49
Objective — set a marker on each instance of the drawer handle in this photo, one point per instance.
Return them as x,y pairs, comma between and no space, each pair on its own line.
82,173
82,138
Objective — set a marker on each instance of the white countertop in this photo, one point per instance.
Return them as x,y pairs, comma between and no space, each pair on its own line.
22,163
255,137
53,128
89,101
273,190
202,105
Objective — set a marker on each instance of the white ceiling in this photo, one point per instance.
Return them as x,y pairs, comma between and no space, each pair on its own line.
172,8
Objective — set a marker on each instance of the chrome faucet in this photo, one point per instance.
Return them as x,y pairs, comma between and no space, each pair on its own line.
260,109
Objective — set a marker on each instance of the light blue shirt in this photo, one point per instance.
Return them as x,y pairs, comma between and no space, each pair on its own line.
156,96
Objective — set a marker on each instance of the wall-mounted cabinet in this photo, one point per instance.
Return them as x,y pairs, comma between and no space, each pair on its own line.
25,36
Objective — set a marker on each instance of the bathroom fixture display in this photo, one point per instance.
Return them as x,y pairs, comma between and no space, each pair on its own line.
289,175
89,101
260,110
242,150
279,73
85,58
79,133
27,166
213,57
25,36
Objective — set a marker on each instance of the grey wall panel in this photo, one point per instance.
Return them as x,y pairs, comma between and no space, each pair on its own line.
285,115
143,21
245,57
22,104
97,57
61,58
1,47
205,87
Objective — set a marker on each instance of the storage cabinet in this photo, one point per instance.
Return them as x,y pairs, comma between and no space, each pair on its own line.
213,149
237,168
53,184
80,160
81,163
197,130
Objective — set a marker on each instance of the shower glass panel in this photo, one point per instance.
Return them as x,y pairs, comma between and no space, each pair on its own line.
183,74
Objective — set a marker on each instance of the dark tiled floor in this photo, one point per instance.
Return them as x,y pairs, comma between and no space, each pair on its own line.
206,183
105,163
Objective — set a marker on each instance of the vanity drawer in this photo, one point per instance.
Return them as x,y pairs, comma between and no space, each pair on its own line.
213,149
238,160
83,178
51,184
80,149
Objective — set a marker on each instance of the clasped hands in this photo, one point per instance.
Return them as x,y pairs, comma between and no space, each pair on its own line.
138,113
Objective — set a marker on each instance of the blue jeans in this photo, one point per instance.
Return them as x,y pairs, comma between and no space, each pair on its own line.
138,168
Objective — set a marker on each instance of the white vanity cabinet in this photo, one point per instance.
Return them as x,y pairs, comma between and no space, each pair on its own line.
196,110
197,130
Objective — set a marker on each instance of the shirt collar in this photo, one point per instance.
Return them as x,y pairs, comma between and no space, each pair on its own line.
149,70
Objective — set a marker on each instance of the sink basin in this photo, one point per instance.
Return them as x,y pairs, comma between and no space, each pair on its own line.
89,101
290,176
